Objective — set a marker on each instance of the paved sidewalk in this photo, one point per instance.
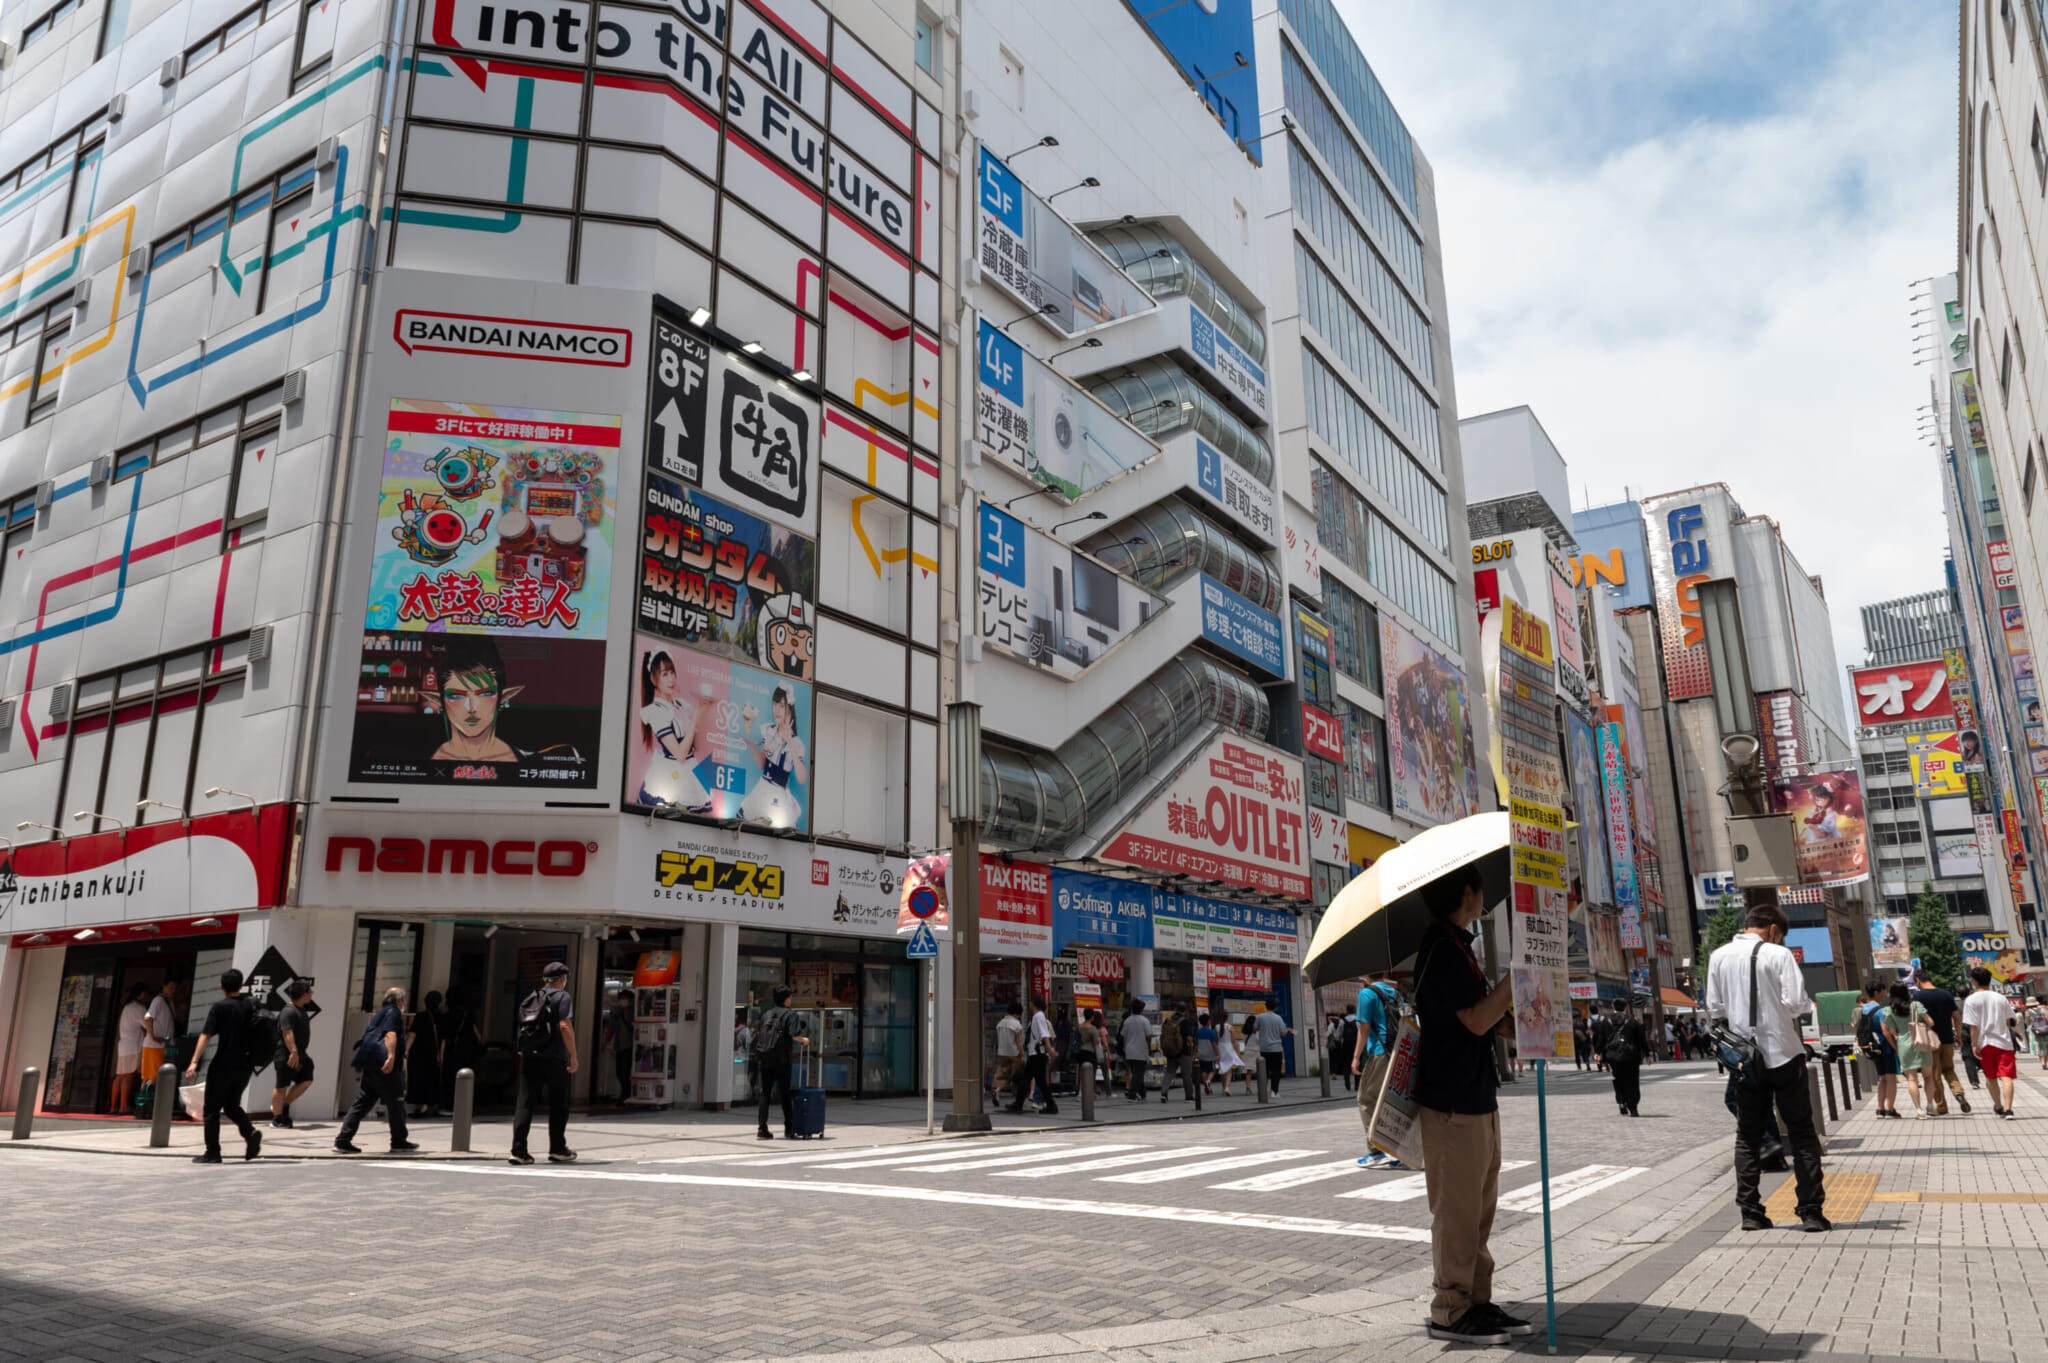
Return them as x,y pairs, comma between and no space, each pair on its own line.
612,1134
1934,1257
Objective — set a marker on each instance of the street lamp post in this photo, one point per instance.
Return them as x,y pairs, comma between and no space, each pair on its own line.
963,796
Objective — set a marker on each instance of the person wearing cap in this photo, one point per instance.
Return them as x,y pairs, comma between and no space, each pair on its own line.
380,1061
547,1066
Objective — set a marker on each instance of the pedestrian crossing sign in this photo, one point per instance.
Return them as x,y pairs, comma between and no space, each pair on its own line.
923,946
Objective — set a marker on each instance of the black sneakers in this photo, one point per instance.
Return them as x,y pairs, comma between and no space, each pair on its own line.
1815,1222
1514,1325
561,1157
400,1147
519,1157
255,1144
282,1122
1750,1222
210,1157
1476,1326
343,1147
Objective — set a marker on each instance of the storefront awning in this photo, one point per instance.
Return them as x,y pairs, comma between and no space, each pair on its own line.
1676,999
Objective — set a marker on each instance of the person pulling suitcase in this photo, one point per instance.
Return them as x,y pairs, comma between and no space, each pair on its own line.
777,1036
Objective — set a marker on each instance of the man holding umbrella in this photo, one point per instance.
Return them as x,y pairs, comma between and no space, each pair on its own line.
1459,1116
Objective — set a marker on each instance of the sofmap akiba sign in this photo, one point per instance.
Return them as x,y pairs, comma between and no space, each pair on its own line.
1234,813
218,863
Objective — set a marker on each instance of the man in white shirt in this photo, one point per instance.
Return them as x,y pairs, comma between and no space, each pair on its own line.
1038,1049
1009,1047
1780,997
129,1035
1988,1015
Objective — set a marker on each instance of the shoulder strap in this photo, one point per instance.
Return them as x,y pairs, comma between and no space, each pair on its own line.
1759,950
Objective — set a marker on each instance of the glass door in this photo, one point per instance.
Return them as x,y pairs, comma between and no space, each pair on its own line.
888,1042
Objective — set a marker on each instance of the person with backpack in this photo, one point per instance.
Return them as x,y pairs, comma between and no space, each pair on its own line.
379,1060
1599,1026
1372,1050
1172,1049
779,1032
231,1028
1136,1037
293,1062
1872,1041
1626,1048
547,1057
1582,1043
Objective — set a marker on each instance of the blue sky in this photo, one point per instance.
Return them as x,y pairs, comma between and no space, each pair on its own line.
1686,236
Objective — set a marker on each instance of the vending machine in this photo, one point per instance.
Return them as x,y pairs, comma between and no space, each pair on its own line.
657,1013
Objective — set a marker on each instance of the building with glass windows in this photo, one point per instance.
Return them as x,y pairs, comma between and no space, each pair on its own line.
1371,472
471,481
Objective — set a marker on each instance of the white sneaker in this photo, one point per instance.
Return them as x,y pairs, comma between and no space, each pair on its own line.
1919,1116
1376,1160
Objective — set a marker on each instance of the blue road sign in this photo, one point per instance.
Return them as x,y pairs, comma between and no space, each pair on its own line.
923,946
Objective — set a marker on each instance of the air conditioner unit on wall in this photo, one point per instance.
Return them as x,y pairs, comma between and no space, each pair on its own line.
259,642
1765,849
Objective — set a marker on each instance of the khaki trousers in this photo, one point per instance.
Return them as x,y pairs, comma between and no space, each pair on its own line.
1944,1067
1372,1073
1461,1169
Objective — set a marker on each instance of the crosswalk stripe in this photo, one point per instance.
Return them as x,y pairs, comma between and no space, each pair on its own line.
1292,1178
935,1157
820,1156
1151,1156
1123,1211
1566,1189
1214,1166
1027,1157
1413,1186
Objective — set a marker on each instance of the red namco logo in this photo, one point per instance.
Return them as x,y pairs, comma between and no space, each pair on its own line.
821,872
412,856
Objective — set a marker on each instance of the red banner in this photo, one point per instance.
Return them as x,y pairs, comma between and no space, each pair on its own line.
1902,694
1321,734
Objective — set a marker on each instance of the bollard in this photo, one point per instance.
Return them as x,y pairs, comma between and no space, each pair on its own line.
1827,1073
163,1105
1855,1067
1087,1092
465,1102
1259,1069
1326,1067
25,1103
1820,1128
1196,1070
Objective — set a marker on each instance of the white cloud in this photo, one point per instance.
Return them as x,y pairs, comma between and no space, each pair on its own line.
1687,240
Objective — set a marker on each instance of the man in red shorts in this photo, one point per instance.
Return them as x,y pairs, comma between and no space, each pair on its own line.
1988,1015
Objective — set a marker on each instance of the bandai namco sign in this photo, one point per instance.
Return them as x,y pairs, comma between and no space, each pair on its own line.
459,856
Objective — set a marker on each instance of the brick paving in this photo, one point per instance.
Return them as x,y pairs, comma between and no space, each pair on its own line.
104,1258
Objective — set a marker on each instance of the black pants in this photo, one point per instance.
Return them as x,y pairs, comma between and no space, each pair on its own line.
1628,1083
1181,1067
1134,1085
537,1073
1582,1053
1035,1071
1340,1063
622,1066
771,1077
376,1087
1784,1087
1770,1134
224,1095
1276,1063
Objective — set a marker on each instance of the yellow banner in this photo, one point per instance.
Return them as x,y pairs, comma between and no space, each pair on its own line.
1533,866
1524,811
1526,634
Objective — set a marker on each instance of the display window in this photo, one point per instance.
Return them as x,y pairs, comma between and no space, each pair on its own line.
860,1012
87,1055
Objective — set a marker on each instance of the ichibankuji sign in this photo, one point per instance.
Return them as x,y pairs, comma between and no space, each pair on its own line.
1233,814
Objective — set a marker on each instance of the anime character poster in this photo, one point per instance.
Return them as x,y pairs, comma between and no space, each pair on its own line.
723,580
1828,819
1596,885
718,740
1430,757
484,627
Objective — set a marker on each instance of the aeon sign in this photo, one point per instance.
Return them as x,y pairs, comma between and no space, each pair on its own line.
460,856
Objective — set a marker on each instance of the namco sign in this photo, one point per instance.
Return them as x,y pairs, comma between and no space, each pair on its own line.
459,856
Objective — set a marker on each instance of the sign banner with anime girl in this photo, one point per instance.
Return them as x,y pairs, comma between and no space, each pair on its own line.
715,739
1429,730
1827,818
483,643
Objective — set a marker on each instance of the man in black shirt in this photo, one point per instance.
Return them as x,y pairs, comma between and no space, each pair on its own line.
1458,1115
228,1024
294,1060
546,1060
1941,1009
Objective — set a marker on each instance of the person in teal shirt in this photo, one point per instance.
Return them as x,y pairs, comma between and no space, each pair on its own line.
1378,1010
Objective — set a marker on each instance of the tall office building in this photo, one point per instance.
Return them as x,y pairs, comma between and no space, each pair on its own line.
1371,473
471,480
1995,386
1909,627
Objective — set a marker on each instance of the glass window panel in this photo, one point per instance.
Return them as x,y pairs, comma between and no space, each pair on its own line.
170,756
125,755
223,758
82,776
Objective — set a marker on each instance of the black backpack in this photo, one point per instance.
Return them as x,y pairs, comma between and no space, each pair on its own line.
1621,1047
1866,1032
262,1039
538,1025
773,1033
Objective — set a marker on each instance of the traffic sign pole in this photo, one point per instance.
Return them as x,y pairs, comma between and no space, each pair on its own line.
931,1042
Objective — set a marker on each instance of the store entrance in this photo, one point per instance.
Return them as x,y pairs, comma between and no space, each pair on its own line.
85,1048
490,969
859,1001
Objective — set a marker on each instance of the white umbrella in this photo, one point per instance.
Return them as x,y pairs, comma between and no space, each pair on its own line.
1377,921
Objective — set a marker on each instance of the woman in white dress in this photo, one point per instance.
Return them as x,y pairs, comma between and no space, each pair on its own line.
1227,1058
677,743
780,755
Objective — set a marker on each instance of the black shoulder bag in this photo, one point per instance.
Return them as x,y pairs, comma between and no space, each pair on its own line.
1741,1054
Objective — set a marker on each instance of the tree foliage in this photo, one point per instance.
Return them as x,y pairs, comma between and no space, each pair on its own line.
1934,941
1722,925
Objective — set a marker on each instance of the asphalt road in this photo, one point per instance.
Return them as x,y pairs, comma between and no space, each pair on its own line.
732,1256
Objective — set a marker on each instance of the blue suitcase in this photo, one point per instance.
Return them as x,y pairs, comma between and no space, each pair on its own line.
806,1104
